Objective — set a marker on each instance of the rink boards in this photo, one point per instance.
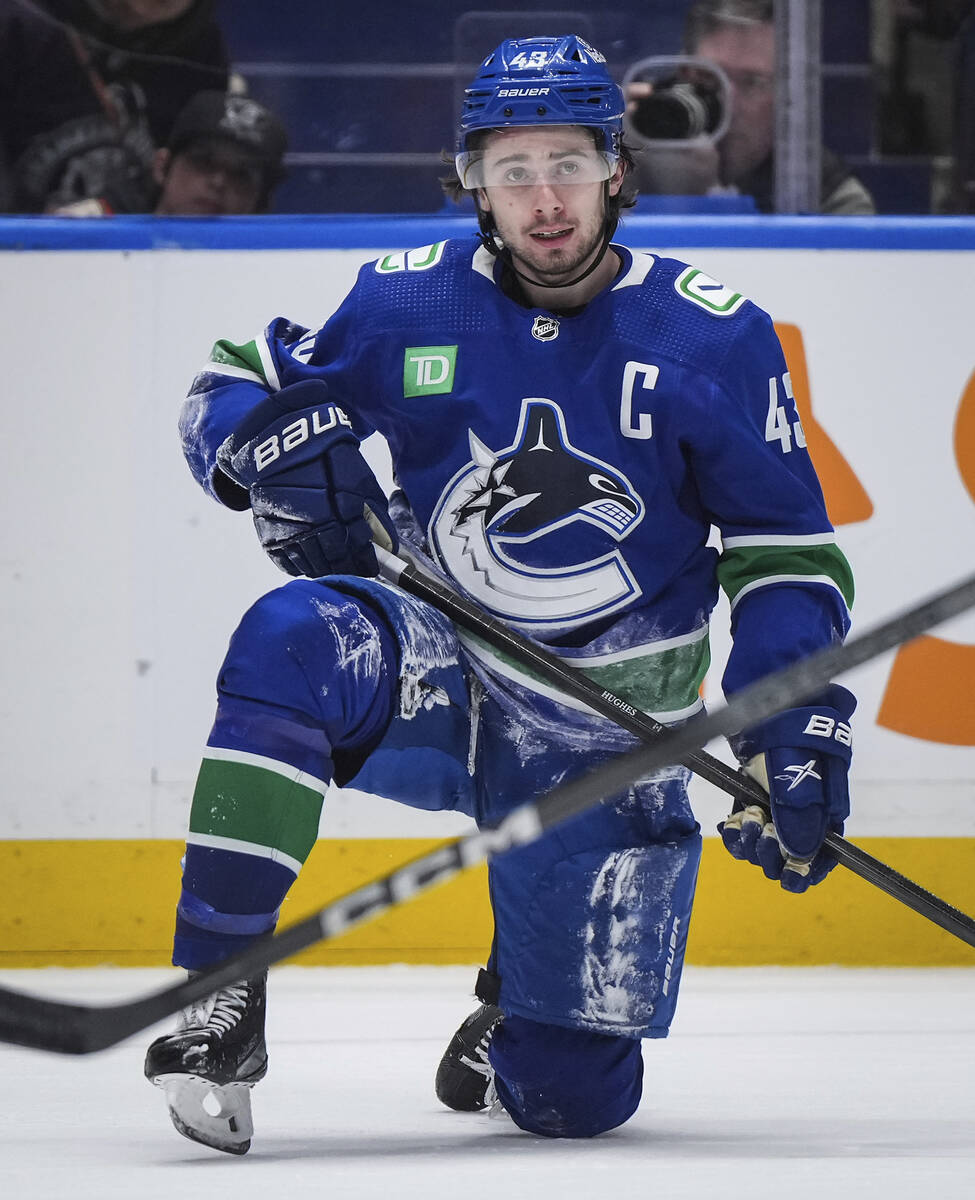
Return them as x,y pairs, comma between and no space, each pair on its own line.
121,582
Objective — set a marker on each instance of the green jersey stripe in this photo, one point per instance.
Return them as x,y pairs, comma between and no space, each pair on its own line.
248,803
743,568
662,683
245,356
665,684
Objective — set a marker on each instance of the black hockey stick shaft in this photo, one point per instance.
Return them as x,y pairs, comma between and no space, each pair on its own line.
66,1028
411,577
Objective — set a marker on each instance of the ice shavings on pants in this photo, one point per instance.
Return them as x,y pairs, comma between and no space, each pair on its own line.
618,989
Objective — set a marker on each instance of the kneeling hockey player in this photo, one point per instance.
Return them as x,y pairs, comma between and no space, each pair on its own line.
567,420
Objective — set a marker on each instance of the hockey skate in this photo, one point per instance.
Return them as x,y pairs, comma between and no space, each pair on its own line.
208,1066
465,1078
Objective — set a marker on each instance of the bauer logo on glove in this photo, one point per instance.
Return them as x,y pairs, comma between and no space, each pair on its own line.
297,433
801,757
311,493
820,725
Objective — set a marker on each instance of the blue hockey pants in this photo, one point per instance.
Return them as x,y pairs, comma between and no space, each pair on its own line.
349,679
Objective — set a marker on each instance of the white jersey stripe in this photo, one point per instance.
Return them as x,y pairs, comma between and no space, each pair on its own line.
642,651
232,372
768,580
212,842
267,362
302,778
780,539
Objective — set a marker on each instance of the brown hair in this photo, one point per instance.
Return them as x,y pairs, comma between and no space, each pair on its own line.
712,16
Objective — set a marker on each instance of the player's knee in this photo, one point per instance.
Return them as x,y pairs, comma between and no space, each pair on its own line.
302,611
307,630
560,1082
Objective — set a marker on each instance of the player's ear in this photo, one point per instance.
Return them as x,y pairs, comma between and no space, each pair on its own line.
482,200
616,179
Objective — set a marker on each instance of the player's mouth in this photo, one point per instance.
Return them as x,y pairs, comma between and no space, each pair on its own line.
552,237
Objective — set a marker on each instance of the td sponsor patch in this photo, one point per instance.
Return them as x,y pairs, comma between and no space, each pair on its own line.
428,370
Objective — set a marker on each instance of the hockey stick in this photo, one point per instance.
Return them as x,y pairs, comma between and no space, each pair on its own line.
66,1028
411,577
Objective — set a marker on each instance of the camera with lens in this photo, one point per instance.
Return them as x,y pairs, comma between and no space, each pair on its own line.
690,98
677,109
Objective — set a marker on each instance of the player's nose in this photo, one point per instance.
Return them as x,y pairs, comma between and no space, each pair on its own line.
546,198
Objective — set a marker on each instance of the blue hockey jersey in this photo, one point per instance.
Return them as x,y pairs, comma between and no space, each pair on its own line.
590,478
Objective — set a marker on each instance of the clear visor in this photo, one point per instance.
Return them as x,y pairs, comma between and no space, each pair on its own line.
493,167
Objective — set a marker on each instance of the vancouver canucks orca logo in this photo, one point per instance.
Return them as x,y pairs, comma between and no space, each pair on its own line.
507,526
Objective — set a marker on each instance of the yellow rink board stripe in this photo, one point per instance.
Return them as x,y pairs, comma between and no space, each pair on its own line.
80,903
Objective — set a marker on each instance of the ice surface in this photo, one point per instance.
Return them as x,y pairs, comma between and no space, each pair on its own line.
794,1083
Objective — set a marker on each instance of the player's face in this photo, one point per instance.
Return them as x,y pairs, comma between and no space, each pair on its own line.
551,223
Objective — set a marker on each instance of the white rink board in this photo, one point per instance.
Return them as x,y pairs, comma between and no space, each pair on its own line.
121,581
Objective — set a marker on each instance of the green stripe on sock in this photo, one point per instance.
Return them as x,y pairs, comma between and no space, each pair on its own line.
250,804
740,566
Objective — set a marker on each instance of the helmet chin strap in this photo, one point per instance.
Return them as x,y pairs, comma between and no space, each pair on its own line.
501,252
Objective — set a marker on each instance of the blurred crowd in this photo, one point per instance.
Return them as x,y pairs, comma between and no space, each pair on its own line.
128,106
133,106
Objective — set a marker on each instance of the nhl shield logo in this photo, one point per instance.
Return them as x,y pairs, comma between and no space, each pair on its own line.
545,329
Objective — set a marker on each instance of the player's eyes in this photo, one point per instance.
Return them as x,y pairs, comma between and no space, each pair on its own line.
564,170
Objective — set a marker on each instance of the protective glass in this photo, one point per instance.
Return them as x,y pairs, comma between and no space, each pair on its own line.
241,170
493,167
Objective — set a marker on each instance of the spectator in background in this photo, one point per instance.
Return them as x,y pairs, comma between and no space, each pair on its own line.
224,156
739,37
90,88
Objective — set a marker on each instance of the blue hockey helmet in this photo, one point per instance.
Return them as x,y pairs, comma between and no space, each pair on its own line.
542,81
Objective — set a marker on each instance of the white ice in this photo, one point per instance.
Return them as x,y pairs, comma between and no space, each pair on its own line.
795,1084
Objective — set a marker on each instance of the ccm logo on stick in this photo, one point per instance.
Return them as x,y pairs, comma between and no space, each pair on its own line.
822,726
297,433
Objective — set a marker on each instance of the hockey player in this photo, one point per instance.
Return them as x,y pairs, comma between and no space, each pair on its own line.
567,421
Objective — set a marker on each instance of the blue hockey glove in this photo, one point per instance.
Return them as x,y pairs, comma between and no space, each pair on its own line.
802,758
311,491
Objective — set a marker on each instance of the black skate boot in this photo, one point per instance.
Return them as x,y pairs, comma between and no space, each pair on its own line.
465,1078
208,1066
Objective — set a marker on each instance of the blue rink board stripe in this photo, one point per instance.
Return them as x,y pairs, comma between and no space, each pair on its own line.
338,231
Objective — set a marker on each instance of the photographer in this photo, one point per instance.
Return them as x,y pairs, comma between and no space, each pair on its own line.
716,111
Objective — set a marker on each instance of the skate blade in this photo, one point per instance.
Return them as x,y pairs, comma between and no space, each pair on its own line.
205,1112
